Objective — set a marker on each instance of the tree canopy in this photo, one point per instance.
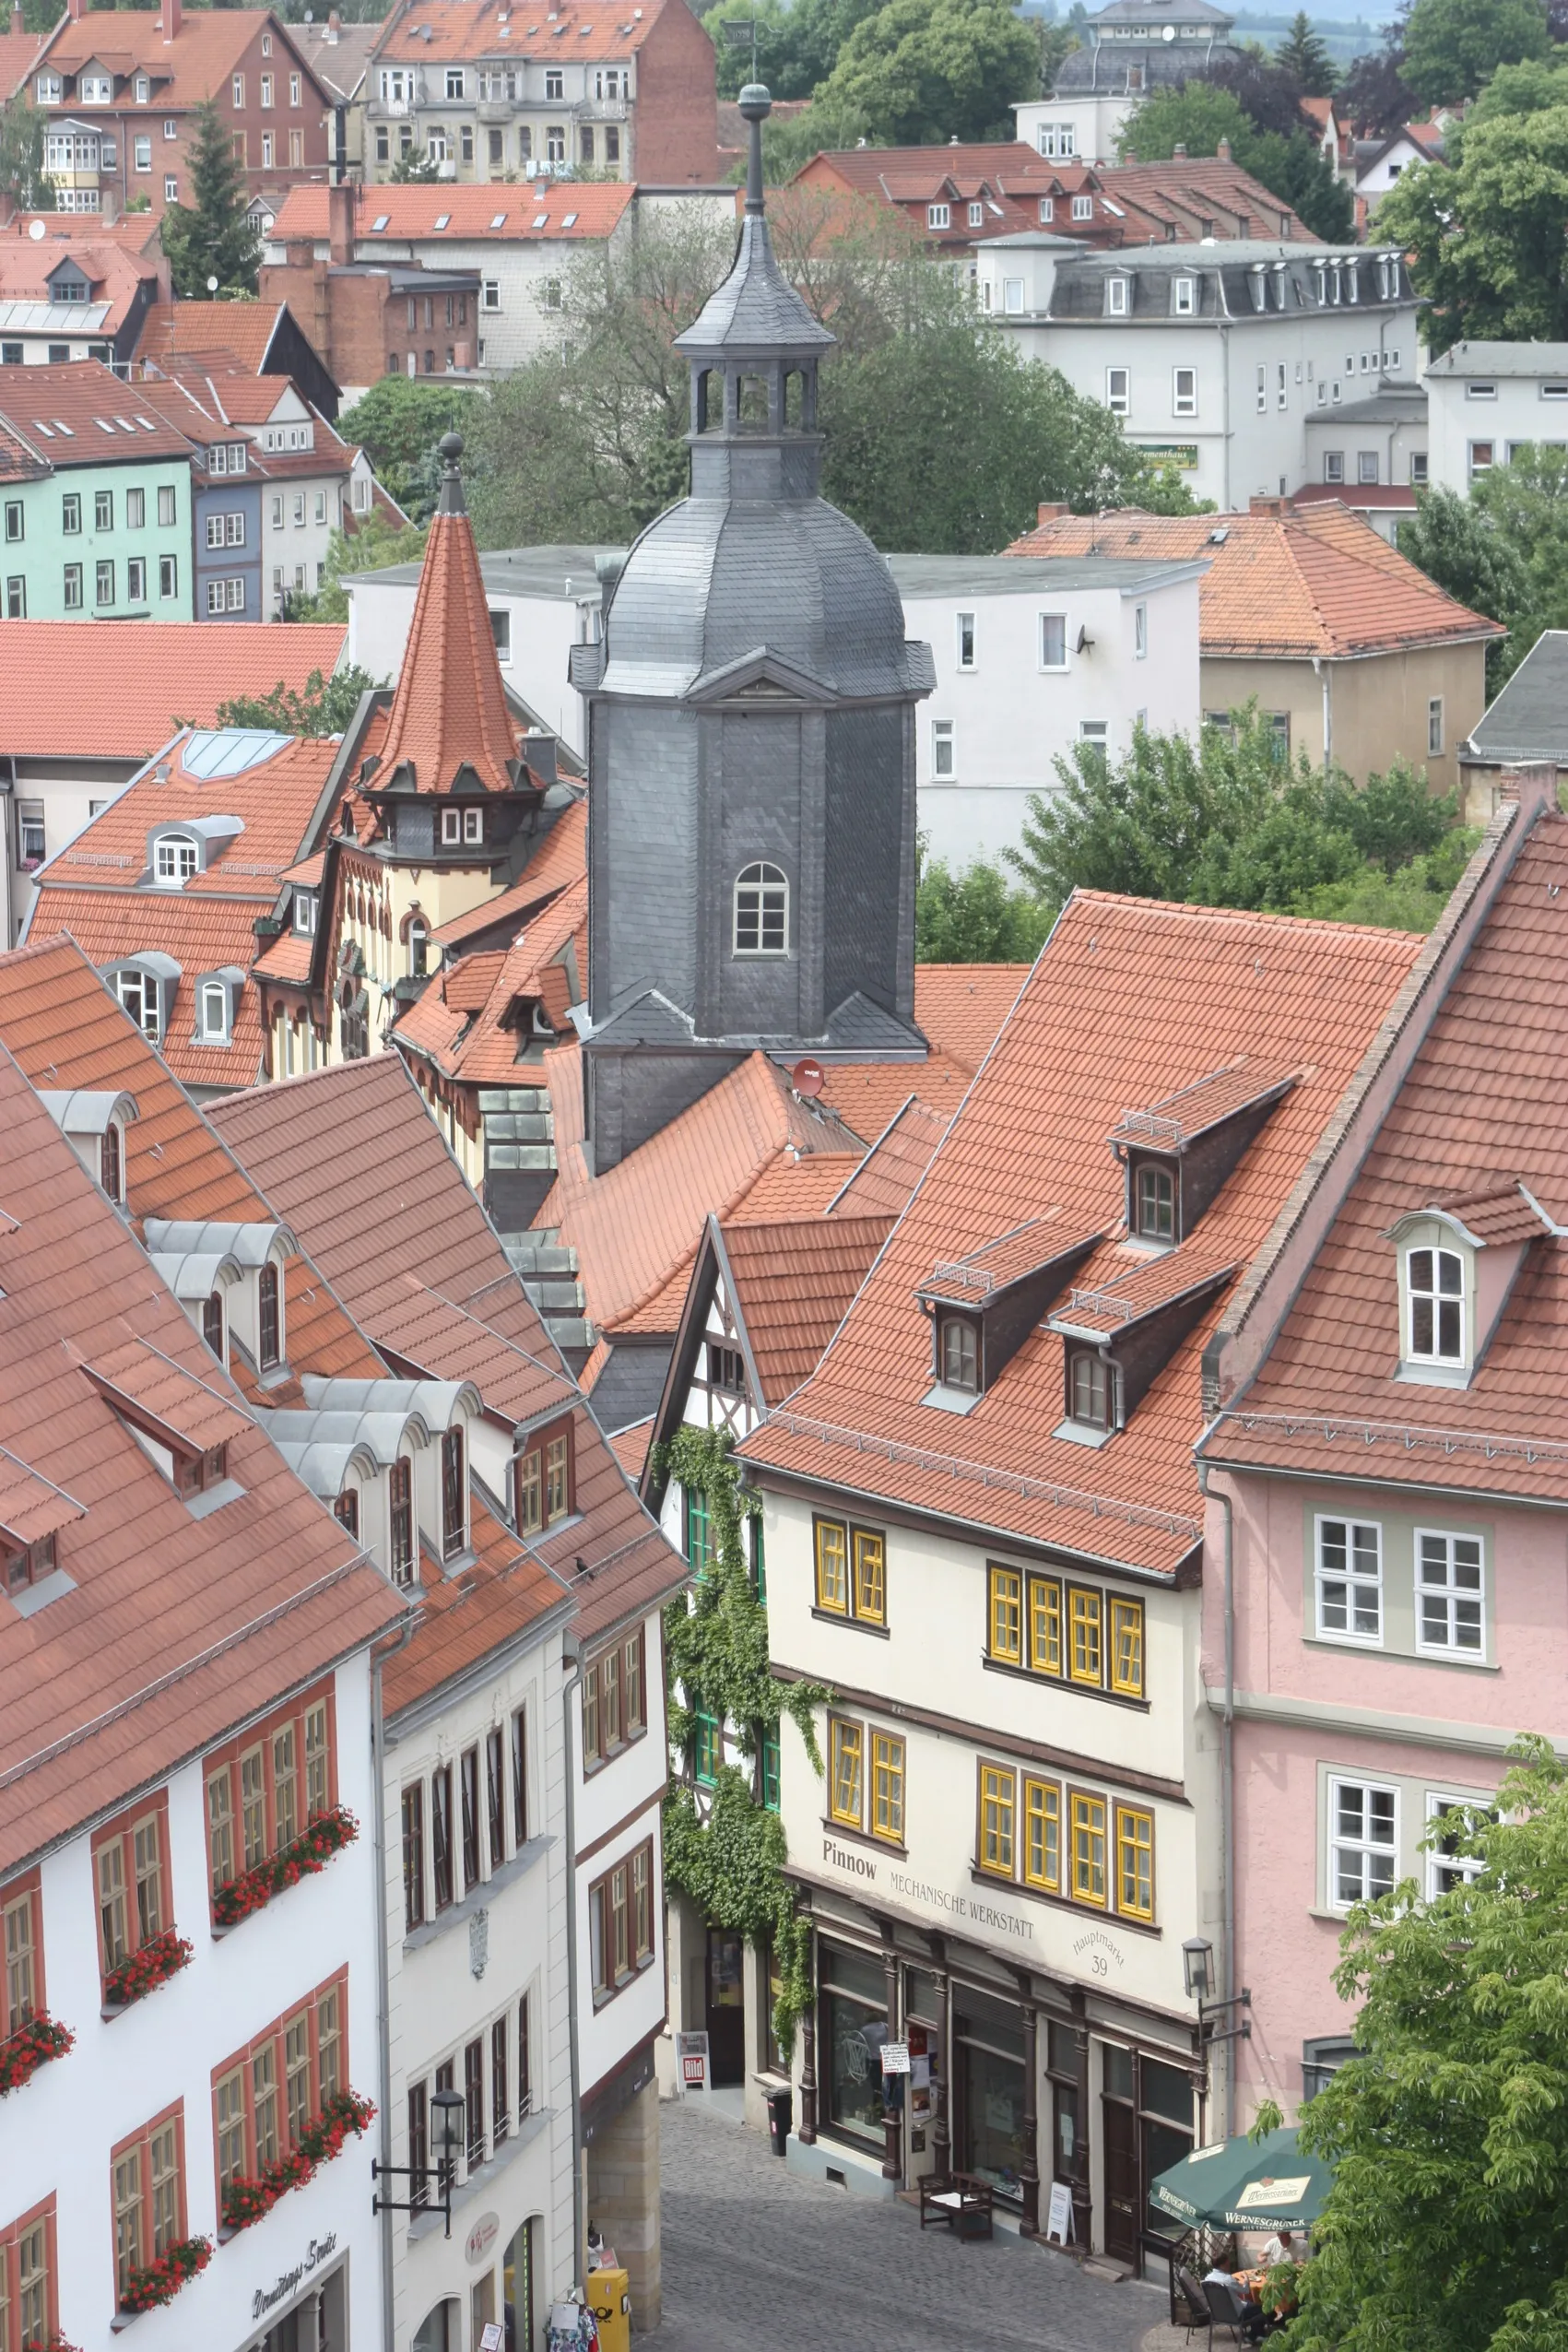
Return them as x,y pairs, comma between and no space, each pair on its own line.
212,238
1447,2224
1198,114
374,543
398,423
1486,238
1303,53
21,156
919,72
940,440
975,916
325,708
1503,550
1226,823
1452,46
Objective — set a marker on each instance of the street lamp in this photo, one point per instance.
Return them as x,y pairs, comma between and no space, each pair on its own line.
1197,1968
448,2123
741,32
1197,1964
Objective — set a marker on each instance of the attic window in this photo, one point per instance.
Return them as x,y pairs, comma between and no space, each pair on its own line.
1434,1289
269,1351
139,994
443,221
111,1166
1091,1383
960,1362
212,1323
198,1474
305,913
1156,1202
26,1564
176,861
380,222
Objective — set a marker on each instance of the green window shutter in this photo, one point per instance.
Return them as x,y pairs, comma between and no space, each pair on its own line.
699,1531
770,1767
759,1561
708,1746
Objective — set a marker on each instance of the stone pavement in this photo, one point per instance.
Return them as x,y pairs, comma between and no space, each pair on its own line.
756,2259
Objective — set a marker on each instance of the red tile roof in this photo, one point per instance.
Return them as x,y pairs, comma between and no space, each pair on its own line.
538,214
19,55
552,29
794,1284
474,1018
1285,586
887,1174
78,412
115,274
146,680
785,1189
208,47
1467,1128
245,329
174,1627
560,858
1129,1000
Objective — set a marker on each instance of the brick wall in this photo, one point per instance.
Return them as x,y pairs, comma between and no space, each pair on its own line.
677,128
623,2200
344,314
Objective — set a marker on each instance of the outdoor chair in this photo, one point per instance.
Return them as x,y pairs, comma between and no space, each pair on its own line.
958,2199
1228,2309
1189,2308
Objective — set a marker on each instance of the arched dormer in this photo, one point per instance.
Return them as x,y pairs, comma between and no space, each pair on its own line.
248,1264
145,984
94,1126
218,1002
181,848
1457,1261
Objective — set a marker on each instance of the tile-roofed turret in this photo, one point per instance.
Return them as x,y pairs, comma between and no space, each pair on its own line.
450,723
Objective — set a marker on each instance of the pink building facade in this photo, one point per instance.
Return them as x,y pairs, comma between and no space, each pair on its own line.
1386,1588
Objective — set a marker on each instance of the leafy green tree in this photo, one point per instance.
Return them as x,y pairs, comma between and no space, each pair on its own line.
376,543
797,46
975,916
1373,96
921,72
212,238
1198,114
1447,2224
1303,53
716,1655
1486,238
325,708
21,156
398,423
418,167
1226,823
1532,88
1452,46
1456,542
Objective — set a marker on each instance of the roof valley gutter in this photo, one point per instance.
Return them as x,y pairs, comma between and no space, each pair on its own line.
1226,1792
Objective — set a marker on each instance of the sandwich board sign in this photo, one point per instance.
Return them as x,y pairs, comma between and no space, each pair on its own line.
691,2062
1060,2224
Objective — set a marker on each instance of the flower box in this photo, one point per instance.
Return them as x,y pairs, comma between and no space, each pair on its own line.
159,2281
308,1853
30,2047
145,1970
247,2201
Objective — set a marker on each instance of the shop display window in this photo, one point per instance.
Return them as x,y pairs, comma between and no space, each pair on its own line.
853,2010
989,2090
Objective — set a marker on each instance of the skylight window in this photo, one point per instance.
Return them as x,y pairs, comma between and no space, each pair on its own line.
498,220
444,219
46,431
104,426
380,220
147,424
569,220
61,426
541,220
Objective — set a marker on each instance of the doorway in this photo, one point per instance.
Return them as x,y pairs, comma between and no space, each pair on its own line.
727,2008
1120,2130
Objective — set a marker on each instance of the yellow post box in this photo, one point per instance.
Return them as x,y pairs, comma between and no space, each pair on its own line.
612,2306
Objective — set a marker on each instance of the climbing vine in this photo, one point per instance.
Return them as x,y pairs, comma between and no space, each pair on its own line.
717,1648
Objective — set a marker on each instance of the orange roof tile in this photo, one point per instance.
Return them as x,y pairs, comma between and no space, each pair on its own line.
1465,1130
19,55
146,679
1310,581
562,858
1128,1000
208,47
630,1446
866,1095
465,1020
244,328
794,1283
961,1006
450,711
494,214
78,412
592,28
883,1180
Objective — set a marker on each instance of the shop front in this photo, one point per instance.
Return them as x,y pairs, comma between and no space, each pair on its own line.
306,2308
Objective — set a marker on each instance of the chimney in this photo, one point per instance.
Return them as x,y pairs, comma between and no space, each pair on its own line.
170,20
1223,151
76,8
334,27
7,207
1129,155
1274,506
340,221
109,203
1051,510
18,27
1179,152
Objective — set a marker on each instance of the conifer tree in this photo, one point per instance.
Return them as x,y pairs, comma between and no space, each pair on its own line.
211,237
1305,56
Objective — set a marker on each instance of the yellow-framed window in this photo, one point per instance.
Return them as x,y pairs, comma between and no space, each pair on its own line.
887,1786
1086,1817
1043,1835
1046,1625
870,1576
846,1786
1127,1648
1135,1862
1086,1616
997,1800
1007,1616
832,1566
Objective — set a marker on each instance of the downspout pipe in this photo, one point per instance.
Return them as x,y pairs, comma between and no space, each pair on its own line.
1227,1785
384,1995
1325,675
571,1654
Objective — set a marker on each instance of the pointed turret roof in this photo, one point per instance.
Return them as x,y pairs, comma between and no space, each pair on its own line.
756,313
450,726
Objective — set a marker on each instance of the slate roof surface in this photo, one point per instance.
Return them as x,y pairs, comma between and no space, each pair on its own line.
1528,720
427,1280
1489,359
794,1284
1128,1000
536,214
145,679
1317,581
1467,1122
78,412
176,1628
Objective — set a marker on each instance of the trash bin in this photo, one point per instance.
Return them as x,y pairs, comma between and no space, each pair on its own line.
612,2306
781,2114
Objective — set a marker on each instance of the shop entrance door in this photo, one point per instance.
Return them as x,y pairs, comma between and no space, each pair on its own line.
727,2008
1119,2125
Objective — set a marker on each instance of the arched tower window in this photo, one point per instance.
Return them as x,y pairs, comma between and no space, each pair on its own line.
761,911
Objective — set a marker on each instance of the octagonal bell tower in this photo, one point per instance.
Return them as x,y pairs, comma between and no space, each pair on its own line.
751,742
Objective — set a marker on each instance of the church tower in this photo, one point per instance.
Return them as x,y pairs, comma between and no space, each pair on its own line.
751,743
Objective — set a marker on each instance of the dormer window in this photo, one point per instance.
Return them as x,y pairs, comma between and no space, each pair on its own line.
26,1564
198,1474
175,860
1434,1293
1183,296
453,1494
140,995
1089,1384
214,1013
959,1355
460,826
1156,1199
305,913
761,911
212,1324
1116,297
110,1163
269,1323
419,948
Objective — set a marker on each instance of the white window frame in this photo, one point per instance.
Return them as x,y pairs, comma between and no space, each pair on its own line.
1439,1297
1012,297
1052,668
965,642
1481,391
1371,1850
214,1034
490,294
944,752
1333,465
1449,1595
938,216
1119,391
148,1010
1083,208
176,857
1184,404
1183,296
771,885
1140,631
1116,297
1465,1869
1356,1578
1365,457
1434,726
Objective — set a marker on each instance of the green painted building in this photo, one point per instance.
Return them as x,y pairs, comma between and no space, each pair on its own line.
95,499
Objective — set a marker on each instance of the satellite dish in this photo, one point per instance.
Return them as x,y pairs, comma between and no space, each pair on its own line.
1169,33
36,229
212,285
808,1078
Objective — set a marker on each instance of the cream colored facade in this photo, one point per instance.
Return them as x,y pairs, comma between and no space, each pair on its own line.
1365,713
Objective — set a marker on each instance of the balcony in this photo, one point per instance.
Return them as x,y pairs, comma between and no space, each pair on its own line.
601,110
497,110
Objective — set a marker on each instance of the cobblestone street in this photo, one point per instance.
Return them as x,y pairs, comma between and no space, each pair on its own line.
757,2260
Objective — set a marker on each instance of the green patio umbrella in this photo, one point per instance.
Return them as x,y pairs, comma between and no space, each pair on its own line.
1270,2183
